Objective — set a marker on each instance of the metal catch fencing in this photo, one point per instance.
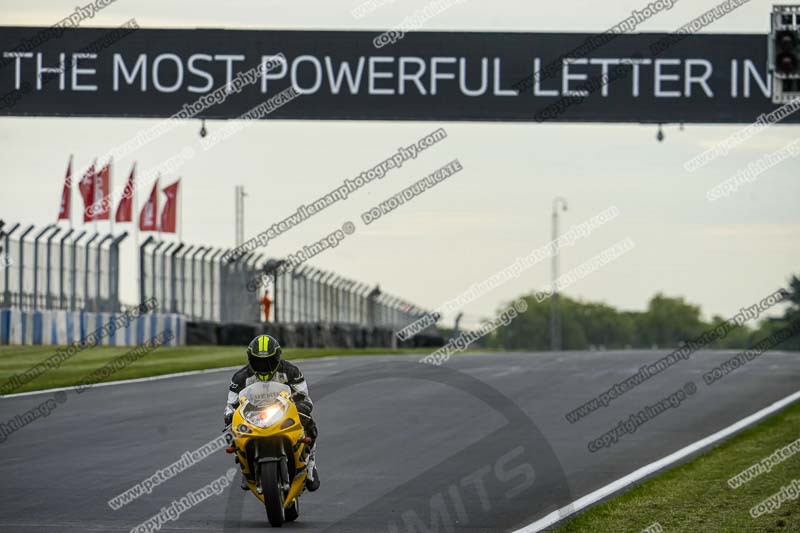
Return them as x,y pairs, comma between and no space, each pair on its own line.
196,281
57,268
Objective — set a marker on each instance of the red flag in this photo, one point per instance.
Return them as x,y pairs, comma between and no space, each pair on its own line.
125,207
169,218
147,217
66,194
102,207
86,187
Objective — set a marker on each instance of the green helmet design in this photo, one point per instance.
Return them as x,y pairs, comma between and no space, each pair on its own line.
264,355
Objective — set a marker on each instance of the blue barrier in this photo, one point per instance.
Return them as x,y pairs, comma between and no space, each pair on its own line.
60,328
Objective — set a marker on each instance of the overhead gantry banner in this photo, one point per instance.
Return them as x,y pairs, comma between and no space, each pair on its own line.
346,75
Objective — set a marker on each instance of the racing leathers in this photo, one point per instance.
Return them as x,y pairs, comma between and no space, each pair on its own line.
287,374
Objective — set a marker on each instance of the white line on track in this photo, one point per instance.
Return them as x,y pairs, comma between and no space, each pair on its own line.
637,475
126,381
330,359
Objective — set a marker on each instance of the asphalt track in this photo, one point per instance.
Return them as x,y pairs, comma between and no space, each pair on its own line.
479,444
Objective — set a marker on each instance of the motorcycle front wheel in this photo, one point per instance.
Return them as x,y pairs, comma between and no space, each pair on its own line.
273,494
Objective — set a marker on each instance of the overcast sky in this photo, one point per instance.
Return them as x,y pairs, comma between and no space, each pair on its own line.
721,255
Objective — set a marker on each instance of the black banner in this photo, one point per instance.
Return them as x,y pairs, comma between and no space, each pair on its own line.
127,71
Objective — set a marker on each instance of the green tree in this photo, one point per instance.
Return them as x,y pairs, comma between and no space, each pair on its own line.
790,316
739,337
528,331
667,322
670,321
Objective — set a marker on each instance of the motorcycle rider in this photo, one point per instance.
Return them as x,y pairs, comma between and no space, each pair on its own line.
264,363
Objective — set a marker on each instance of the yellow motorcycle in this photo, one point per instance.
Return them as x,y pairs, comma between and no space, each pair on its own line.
272,448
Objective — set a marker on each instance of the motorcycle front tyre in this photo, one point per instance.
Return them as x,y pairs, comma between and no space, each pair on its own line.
273,495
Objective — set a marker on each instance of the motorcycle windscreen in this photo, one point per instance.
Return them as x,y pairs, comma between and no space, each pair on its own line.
263,393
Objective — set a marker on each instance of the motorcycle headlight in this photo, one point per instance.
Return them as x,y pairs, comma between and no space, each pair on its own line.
265,416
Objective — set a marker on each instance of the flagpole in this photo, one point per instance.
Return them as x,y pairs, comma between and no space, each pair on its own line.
136,228
156,214
135,191
94,195
108,195
69,197
180,211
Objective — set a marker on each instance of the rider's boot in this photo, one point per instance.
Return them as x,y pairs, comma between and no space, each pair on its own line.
312,480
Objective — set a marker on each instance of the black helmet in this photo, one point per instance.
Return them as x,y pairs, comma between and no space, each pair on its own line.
264,355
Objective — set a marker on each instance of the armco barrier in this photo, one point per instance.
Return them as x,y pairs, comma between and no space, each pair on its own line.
202,333
59,327
304,335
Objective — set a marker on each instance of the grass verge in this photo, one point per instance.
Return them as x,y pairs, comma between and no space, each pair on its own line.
696,496
166,360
